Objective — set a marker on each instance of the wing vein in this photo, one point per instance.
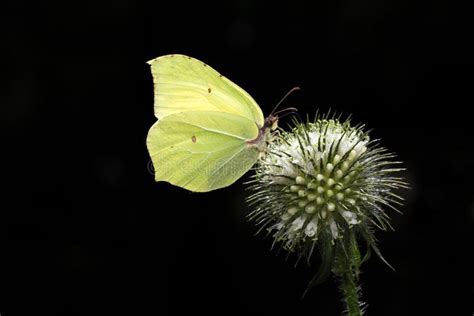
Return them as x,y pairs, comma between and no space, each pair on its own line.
211,175
214,131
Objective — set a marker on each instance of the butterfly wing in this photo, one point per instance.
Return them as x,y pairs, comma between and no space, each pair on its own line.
183,83
202,150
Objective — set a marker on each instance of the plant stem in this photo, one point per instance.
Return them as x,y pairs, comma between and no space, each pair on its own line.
347,270
351,293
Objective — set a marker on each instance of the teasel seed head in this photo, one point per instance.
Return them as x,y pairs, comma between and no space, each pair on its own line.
323,180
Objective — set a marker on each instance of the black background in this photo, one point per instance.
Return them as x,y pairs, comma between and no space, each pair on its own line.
84,228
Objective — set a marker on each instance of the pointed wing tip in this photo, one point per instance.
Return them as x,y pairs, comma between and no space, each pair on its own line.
151,61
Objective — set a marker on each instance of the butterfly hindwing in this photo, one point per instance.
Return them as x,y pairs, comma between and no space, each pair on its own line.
202,150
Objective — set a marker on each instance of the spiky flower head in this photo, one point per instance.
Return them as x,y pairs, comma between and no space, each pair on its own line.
320,182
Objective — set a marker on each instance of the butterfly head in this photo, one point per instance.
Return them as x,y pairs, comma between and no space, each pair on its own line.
271,123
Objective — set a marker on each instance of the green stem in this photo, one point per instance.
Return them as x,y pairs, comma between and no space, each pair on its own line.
351,294
347,266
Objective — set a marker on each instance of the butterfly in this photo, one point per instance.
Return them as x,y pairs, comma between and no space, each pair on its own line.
209,132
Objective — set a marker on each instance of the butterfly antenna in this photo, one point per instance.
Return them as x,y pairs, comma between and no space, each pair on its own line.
283,99
290,113
291,109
